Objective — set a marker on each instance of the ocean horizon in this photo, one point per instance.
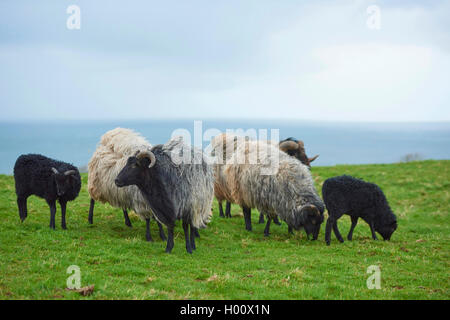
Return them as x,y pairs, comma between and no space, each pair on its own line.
74,141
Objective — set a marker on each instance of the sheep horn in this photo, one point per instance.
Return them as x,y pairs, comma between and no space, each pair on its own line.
69,172
148,154
55,171
288,145
313,158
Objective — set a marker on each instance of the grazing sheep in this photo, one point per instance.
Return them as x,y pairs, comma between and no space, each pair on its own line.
173,189
295,148
223,147
358,199
108,159
35,174
288,192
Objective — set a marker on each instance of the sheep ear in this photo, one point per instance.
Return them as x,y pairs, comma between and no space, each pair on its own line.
313,158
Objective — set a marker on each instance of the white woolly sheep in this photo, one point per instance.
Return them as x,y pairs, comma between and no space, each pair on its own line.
288,191
108,159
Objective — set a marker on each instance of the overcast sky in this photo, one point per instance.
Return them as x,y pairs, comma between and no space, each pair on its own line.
225,59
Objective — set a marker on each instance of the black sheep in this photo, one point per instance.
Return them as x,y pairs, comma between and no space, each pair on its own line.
50,179
358,199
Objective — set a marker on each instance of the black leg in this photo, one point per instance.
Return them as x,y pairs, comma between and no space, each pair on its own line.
197,235
52,214
336,232
169,246
127,218
276,221
221,210
290,230
148,235
63,215
161,231
372,229
248,218
328,227
261,218
228,209
267,228
192,236
186,236
354,222
91,212
22,204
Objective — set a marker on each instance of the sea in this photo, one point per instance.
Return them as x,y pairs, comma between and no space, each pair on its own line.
334,142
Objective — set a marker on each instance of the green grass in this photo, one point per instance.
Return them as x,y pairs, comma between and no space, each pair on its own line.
231,263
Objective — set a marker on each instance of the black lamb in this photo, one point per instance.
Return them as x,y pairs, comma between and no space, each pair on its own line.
50,179
358,199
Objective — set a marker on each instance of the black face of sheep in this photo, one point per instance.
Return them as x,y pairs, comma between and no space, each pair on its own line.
134,171
387,228
64,181
310,219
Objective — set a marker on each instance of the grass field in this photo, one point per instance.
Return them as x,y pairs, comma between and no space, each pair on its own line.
231,263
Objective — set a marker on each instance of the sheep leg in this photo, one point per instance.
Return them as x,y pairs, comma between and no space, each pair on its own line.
221,210
52,206
127,218
192,236
161,231
372,229
148,235
169,246
328,227
228,209
261,218
267,228
336,232
186,236
91,212
22,204
63,205
248,218
354,222
197,235
290,230
276,221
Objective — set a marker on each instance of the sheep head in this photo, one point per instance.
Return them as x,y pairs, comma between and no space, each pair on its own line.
297,149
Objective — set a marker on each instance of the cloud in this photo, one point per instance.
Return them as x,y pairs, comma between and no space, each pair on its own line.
253,59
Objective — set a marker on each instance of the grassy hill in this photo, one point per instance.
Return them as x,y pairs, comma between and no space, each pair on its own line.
231,263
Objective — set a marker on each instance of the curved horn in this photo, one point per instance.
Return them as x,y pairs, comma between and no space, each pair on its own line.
69,172
288,145
55,171
148,154
313,158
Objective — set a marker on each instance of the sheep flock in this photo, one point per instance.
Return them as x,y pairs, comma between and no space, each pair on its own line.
176,181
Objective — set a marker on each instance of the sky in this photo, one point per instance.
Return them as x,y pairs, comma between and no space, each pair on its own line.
253,59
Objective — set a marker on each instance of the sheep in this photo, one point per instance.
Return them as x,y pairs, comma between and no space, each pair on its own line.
52,180
108,159
296,149
359,199
223,147
173,189
289,192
